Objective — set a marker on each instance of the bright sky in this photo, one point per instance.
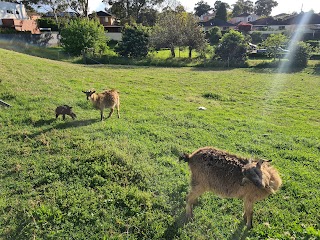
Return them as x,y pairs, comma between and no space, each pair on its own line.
284,6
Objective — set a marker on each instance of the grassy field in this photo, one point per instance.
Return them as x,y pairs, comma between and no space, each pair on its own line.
121,178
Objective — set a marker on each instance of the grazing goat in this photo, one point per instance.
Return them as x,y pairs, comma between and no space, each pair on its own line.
106,99
65,110
230,176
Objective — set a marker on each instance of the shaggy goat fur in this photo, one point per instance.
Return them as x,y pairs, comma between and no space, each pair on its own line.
65,110
106,99
230,176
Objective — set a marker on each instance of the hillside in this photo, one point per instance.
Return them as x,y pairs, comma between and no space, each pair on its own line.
121,178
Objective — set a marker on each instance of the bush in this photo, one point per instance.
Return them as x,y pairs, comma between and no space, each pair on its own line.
214,35
232,48
301,55
81,33
135,41
256,37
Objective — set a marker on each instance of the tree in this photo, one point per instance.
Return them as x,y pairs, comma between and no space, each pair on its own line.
168,31
148,17
202,8
232,48
194,37
273,44
236,11
29,4
135,42
221,12
82,33
214,35
242,6
264,7
129,11
79,6
56,6
256,37
217,4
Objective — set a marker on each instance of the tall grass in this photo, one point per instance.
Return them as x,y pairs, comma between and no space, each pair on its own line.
121,178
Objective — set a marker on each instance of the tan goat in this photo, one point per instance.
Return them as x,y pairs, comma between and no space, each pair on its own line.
106,99
230,176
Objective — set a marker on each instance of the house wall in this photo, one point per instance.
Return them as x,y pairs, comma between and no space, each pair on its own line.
282,28
222,28
12,10
245,19
45,39
21,25
106,21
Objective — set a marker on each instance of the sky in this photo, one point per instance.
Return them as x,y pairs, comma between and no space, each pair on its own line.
284,6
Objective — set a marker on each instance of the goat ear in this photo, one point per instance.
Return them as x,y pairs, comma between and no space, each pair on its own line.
260,163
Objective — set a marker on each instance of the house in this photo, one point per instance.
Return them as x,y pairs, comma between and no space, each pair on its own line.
10,10
289,24
244,18
110,24
215,22
60,15
14,16
268,25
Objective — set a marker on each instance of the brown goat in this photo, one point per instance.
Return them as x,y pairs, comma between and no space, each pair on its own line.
106,99
230,176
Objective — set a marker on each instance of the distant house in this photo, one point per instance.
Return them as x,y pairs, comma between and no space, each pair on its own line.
289,24
215,22
244,18
61,15
14,16
113,30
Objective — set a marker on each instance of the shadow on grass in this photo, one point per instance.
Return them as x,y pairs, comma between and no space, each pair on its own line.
62,125
173,229
241,233
316,69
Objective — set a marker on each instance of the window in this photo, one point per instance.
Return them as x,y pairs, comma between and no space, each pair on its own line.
282,27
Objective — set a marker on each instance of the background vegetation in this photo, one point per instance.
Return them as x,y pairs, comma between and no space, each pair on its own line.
121,179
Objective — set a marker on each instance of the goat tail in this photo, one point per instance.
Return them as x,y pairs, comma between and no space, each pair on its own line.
185,157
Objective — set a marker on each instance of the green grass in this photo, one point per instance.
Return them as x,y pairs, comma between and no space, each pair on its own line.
121,178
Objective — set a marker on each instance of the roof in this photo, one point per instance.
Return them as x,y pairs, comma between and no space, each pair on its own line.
311,18
215,22
61,14
103,14
268,21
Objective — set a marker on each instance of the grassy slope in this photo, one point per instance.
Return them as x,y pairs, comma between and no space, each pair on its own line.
87,179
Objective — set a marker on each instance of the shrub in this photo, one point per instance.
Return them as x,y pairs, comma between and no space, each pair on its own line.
135,41
232,48
301,55
256,37
81,33
214,35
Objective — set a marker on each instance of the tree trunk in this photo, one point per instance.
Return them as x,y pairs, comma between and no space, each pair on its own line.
190,52
173,54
